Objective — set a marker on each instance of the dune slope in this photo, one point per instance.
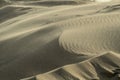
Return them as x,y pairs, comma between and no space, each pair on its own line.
60,42
97,68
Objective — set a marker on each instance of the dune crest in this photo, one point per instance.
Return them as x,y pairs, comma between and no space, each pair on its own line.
59,39
96,68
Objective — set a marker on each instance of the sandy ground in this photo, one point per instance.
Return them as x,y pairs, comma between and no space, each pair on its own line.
59,40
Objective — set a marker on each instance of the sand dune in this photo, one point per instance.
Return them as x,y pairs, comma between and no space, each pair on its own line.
99,69
59,40
87,38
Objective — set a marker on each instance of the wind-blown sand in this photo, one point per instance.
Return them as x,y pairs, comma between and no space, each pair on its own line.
59,40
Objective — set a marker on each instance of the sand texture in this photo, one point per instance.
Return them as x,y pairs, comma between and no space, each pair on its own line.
59,40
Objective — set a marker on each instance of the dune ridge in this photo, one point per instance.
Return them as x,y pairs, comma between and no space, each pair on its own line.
99,69
59,42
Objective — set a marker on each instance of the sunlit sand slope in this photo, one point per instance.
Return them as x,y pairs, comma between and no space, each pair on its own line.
94,34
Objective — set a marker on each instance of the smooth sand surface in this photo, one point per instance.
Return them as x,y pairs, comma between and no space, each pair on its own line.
59,40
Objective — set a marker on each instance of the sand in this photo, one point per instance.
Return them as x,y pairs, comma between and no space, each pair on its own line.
59,40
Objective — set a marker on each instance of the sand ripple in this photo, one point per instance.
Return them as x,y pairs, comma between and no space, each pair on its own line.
96,34
59,42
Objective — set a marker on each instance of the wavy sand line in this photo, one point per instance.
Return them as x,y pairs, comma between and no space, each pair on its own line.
28,54
94,34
